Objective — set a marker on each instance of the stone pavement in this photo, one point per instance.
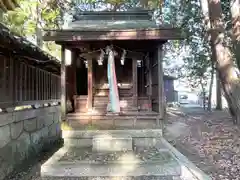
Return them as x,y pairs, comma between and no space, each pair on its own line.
209,139
112,154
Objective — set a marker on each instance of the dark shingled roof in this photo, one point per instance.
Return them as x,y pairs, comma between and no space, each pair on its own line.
107,20
20,46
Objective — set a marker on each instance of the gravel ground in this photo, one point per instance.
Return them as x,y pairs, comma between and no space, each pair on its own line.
210,140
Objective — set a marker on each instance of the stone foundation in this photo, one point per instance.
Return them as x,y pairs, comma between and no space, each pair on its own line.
25,133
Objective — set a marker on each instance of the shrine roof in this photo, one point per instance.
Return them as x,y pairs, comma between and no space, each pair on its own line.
95,25
108,20
107,25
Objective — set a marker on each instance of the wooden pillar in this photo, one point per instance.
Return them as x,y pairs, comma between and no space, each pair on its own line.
134,80
161,98
63,84
149,70
90,85
74,64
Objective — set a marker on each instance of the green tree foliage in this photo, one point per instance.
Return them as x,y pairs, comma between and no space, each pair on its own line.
25,19
197,61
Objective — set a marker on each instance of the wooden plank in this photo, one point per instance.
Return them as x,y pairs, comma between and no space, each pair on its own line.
44,85
29,77
134,81
17,79
142,80
34,81
37,83
11,83
129,34
63,84
41,84
2,78
90,85
161,98
48,85
21,82
25,83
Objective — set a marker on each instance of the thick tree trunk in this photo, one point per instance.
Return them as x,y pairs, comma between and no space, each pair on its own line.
203,95
209,108
218,93
224,63
206,21
235,13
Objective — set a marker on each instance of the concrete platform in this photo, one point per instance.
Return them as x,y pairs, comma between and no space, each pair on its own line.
139,155
75,163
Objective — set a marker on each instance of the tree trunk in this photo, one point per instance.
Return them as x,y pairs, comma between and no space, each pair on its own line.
38,28
209,108
235,13
206,21
204,95
224,62
218,93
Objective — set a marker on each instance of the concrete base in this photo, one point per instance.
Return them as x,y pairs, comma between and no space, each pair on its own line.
163,163
144,138
126,166
180,168
108,142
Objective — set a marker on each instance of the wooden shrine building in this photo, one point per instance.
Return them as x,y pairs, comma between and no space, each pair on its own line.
136,42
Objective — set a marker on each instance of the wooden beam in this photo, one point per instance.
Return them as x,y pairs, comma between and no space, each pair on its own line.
63,84
161,98
127,34
134,81
90,85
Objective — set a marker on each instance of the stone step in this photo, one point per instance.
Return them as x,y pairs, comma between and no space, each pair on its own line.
144,133
108,142
136,142
103,109
79,163
112,123
122,114
116,178
139,138
117,170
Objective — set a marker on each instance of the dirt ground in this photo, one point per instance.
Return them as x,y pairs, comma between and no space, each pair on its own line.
209,139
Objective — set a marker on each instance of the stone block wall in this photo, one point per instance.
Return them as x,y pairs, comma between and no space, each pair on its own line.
25,133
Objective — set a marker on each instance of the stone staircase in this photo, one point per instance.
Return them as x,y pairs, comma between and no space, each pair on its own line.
110,154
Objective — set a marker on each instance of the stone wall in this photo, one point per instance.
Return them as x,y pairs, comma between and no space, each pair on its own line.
25,133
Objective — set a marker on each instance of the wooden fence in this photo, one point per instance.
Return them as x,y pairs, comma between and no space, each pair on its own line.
24,84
